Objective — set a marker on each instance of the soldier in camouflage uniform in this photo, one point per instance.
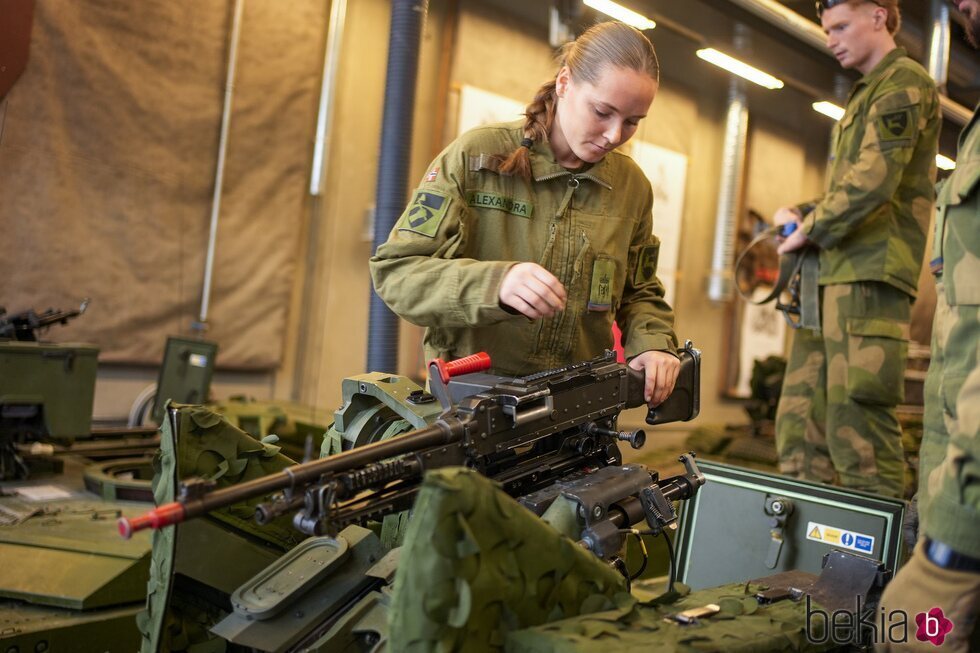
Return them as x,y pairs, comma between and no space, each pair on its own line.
944,571
837,417
527,239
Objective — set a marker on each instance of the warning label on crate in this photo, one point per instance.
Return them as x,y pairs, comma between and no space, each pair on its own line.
839,537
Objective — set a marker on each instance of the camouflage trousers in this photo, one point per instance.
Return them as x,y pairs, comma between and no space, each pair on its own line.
948,456
836,420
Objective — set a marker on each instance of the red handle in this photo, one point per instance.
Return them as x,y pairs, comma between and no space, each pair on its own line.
165,515
474,363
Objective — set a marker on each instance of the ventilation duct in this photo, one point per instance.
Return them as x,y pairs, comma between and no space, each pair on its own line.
407,19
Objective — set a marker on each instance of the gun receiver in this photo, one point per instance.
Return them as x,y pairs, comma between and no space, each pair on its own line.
25,326
524,432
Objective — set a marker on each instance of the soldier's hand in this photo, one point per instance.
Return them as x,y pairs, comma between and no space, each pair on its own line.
660,369
919,588
531,290
786,214
792,242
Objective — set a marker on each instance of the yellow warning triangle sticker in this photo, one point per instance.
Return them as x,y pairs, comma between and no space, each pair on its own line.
815,533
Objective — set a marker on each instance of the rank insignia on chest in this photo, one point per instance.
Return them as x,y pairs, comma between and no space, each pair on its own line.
425,214
600,293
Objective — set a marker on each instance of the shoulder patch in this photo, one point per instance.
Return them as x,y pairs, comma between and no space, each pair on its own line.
646,265
895,125
425,213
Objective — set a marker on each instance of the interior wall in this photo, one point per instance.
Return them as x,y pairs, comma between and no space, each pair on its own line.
108,151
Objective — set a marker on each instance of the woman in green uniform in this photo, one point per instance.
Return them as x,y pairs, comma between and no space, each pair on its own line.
527,239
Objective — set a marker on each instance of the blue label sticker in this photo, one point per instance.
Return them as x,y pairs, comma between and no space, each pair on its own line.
862,543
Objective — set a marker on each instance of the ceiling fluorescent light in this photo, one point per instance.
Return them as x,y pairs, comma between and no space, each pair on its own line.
619,12
739,68
829,109
944,162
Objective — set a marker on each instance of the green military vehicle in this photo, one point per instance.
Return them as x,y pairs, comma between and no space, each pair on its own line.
67,583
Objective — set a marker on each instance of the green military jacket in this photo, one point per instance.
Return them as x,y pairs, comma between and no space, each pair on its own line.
954,510
466,225
871,222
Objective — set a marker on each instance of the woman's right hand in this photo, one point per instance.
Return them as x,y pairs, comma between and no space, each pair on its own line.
531,290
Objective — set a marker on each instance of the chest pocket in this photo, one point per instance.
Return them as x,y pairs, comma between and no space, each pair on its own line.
957,238
838,133
502,221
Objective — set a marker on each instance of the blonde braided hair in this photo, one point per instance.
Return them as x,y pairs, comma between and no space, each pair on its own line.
602,45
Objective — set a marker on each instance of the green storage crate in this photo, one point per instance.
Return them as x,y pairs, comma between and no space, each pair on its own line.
185,374
748,524
55,382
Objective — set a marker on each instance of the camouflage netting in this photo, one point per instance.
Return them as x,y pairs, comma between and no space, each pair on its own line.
742,626
205,446
476,565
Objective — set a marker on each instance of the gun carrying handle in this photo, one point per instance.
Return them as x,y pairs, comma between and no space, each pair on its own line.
440,372
165,515
473,363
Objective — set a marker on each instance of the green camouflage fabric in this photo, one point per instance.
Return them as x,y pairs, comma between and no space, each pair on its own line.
871,222
476,565
949,461
836,420
741,626
466,225
206,446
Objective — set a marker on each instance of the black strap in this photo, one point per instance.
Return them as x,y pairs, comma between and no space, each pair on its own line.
798,275
943,556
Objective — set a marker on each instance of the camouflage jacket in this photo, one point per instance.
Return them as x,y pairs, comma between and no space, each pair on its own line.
954,513
466,225
871,222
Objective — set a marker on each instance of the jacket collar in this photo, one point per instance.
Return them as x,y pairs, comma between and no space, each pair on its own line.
882,66
544,167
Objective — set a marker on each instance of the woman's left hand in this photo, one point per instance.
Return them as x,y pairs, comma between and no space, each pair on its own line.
660,369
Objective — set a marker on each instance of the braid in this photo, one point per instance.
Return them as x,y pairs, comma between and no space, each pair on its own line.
538,117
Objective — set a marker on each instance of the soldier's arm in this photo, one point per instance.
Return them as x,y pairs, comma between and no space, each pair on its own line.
416,272
955,507
645,318
885,151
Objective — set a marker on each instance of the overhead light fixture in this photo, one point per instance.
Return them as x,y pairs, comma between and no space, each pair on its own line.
619,12
829,109
944,162
739,68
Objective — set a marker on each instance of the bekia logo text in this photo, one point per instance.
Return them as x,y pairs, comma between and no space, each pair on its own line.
865,625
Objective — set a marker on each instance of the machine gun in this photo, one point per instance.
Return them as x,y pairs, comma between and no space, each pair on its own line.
526,433
26,325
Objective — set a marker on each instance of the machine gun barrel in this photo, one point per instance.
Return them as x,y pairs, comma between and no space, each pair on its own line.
25,325
195,504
